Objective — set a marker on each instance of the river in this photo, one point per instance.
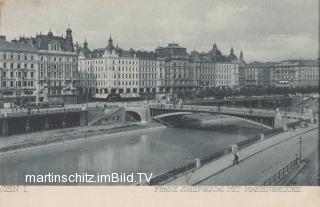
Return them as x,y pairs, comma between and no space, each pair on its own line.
151,151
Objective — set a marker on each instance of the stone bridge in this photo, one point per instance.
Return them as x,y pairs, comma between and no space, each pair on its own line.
267,118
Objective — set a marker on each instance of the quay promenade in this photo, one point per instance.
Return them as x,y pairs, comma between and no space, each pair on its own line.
258,162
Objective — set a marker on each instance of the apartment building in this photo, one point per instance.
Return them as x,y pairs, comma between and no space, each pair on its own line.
18,72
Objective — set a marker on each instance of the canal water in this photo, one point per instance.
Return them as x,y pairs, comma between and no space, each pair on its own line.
151,151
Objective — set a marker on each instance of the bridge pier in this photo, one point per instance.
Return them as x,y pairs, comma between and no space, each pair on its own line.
277,120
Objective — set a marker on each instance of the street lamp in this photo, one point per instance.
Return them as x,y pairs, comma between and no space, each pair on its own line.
300,143
301,103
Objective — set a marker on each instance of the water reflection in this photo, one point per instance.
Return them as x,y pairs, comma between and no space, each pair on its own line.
150,151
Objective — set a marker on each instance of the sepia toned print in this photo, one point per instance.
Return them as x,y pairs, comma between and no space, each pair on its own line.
187,96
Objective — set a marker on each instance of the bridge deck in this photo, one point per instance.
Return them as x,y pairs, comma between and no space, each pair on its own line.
215,109
172,114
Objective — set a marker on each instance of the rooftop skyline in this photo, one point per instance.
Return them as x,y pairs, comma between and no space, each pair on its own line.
264,30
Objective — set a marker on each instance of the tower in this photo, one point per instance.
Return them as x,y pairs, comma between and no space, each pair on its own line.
69,34
69,43
85,44
241,56
110,42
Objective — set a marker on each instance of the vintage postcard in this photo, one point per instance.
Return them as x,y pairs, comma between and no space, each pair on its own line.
192,102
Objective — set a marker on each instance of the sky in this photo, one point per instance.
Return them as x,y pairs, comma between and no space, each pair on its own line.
266,30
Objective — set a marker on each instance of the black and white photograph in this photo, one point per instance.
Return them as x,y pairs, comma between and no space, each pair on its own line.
159,93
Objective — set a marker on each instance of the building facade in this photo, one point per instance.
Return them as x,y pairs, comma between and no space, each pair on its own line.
44,66
255,74
18,72
295,73
284,74
57,64
168,70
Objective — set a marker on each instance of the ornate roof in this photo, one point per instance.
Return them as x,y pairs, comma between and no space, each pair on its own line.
232,57
215,54
110,48
42,42
16,46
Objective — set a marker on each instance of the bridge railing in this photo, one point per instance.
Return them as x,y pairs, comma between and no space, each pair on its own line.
42,111
227,110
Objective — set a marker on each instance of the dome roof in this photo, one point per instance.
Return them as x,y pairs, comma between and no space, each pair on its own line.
232,56
69,29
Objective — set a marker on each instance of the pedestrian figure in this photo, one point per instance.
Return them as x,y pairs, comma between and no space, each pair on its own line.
236,159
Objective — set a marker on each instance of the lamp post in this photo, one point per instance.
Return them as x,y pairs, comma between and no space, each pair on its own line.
301,103
300,143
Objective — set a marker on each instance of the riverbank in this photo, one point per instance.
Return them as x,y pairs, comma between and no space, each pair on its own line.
260,160
38,140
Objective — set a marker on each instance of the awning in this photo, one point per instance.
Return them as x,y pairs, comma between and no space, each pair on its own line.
130,95
102,95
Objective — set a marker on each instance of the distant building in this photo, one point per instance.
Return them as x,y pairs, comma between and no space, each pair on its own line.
170,69
295,73
18,72
47,66
56,64
172,51
255,74
111,70
227,74
284,74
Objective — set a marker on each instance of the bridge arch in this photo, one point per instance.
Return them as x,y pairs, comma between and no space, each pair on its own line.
133,115
140,113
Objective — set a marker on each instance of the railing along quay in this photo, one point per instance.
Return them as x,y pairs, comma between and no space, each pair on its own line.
283,172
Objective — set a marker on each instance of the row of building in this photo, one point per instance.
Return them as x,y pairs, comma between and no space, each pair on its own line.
44,66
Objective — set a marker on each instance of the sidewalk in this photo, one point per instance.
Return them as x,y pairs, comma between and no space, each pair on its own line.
258,162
